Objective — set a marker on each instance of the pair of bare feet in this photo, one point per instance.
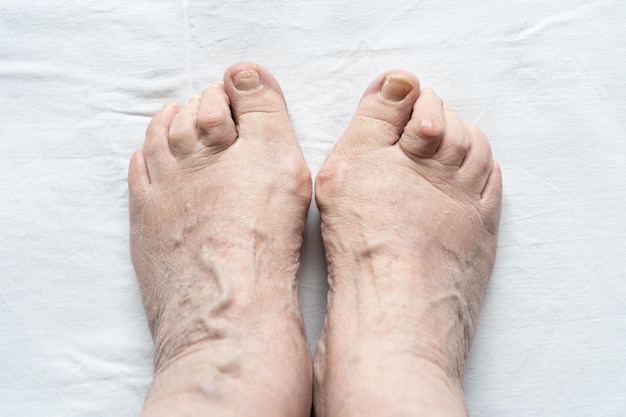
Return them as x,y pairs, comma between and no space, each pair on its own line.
409,201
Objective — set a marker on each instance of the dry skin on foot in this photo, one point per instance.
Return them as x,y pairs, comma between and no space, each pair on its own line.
410,204
218,199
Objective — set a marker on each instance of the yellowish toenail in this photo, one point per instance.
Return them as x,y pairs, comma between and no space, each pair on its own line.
194,98
396,87
247,80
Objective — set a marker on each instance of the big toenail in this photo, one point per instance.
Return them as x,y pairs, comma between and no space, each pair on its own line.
247,80
396,87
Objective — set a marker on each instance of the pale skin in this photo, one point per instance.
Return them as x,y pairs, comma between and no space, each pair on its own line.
410,203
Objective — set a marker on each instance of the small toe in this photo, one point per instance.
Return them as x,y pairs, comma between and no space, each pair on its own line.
156,151
138,180
493,186
478,162
138,176
455,141
183,133
257,103
384,110
215,123
491,198
423,133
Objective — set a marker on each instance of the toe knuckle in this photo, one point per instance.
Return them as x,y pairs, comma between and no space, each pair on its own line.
430,128
211,119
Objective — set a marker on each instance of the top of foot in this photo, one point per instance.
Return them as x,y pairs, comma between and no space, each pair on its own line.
410,205
218,200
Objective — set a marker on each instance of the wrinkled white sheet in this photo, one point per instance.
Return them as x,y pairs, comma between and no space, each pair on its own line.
79,81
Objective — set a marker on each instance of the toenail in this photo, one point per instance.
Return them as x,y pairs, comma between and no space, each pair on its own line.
396,87
194,98
247,80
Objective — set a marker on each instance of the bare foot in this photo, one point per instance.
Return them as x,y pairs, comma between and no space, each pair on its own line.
410,205
218,199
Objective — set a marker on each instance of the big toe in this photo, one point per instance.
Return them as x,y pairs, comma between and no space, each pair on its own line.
257,103
383,111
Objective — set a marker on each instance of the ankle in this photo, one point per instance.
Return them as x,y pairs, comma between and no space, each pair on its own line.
231,379
357,386
197,373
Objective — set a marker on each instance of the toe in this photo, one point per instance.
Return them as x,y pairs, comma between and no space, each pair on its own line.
215,123
491,198
138,179
478,162
183,134
435,132
257,103
455,140
156,151
384,110
423,134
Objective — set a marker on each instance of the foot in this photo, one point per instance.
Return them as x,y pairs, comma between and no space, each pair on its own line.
218,199
410,204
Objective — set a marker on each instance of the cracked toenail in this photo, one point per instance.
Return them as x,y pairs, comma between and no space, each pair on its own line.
396,87
247,80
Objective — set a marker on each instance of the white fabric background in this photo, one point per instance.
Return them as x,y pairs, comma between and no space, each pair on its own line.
545,81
